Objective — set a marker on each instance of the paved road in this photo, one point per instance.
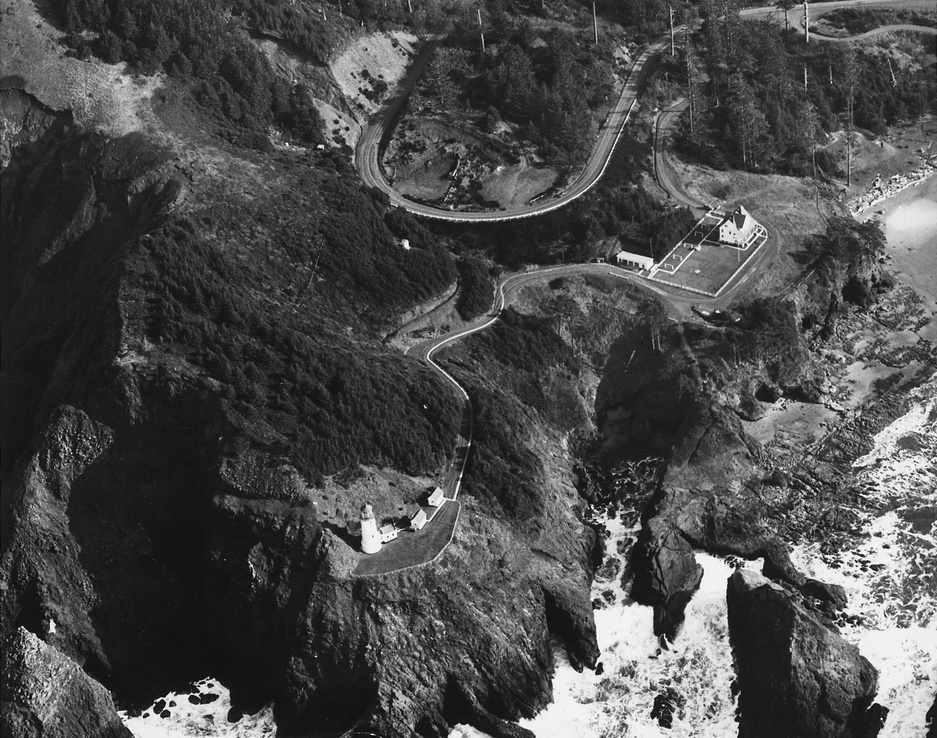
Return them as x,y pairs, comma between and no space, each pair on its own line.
367,153
371,143
663,170
796,14
676,302
425,546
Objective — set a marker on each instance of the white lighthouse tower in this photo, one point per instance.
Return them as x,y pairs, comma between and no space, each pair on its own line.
370,538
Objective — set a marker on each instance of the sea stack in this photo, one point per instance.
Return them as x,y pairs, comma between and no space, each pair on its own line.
370,538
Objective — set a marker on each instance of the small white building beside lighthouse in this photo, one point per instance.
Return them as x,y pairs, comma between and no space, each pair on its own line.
370,537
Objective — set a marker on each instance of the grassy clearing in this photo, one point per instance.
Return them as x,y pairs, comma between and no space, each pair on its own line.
516,184
429,180
392,494
101,96
787,203
370,65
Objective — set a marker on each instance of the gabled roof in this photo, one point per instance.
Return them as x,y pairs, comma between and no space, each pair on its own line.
739,218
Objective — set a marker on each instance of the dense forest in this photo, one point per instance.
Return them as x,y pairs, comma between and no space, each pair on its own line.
753,108
206,45
517,356
545,83
476,287
278,302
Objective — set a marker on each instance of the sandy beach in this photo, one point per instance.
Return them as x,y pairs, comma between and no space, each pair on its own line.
910,220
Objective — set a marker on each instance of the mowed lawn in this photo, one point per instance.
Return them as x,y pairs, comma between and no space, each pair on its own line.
708,269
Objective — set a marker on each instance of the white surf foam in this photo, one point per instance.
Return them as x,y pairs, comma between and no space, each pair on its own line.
891,575
698,668
176,716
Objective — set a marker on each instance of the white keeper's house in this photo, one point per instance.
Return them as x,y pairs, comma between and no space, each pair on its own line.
738,228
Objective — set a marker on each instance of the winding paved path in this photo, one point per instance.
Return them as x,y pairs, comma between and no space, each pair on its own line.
429,543
370,146
373,138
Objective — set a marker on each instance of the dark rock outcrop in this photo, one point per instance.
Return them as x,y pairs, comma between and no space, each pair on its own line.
570,617
47,695
665,574
932,720
703,505
415,650
797,677
711,447
830,597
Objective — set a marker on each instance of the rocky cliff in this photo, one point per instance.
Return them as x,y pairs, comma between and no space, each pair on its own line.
796,676
46,694
157,503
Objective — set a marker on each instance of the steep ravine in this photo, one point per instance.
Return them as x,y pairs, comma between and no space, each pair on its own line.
724,495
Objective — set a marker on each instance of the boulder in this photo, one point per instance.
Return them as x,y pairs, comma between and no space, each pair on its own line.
47,694
750,408
665,574
797,677
831,594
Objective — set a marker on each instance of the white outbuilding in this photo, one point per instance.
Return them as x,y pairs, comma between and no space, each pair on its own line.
418,521
437,497
633,261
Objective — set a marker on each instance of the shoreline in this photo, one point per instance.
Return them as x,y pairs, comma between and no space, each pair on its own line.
909,219
894,186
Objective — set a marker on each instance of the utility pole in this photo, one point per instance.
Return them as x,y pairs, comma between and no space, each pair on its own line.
849,137
805,77
848,158
481,32
806,24
689,80
726,28
595,24
853,75
673,48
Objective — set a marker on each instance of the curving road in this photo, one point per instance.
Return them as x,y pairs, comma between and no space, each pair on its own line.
368,151
676,302
371,143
